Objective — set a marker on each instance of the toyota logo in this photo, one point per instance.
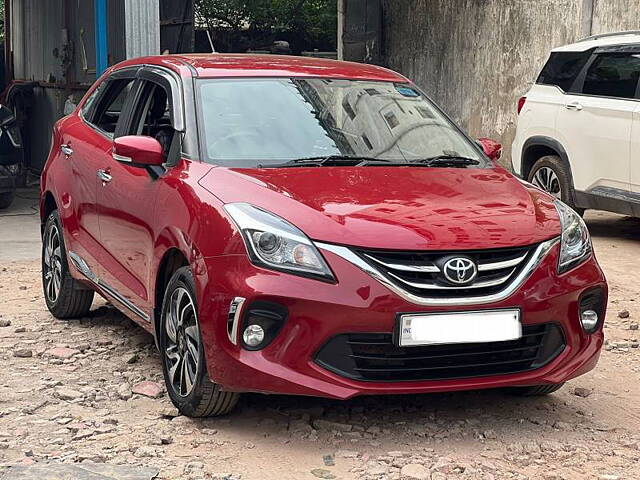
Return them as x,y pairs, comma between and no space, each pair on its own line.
460,270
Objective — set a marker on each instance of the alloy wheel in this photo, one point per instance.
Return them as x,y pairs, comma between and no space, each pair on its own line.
546,179
182,348
52,263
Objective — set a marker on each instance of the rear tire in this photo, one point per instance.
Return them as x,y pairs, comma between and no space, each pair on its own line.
64,295
550,174
536,390
182,353
6,199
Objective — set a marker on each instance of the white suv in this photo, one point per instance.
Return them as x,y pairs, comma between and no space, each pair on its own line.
578,133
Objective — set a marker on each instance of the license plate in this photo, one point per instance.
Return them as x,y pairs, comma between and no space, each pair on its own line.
464,327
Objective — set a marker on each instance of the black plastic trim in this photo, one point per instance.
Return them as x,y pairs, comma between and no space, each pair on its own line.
610,200
547,349
593,299
271,317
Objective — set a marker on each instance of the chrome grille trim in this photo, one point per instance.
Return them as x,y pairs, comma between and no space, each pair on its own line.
535,259
487,267
435,286
405,268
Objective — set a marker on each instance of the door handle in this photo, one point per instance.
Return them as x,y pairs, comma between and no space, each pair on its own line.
66,149
104,176
577,107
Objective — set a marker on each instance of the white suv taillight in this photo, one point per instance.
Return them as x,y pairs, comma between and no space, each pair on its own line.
521,103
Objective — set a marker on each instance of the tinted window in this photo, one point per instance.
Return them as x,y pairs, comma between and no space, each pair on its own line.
265,121
152,117
87,108
563,68
110,106
613,75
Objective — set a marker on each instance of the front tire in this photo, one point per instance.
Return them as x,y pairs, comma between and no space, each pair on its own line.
550,174
64,295
6,199
182,352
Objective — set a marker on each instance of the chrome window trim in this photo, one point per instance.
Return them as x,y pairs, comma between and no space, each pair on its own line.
539,254
84,269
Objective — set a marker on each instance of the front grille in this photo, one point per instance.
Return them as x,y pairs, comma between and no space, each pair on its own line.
421,273
374,357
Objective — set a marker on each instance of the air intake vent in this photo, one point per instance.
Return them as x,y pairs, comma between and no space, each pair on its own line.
374,357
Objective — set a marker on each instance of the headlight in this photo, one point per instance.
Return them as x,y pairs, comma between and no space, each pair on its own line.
576,241
274,243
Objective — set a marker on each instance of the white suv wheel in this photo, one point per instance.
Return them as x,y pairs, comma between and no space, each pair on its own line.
546,179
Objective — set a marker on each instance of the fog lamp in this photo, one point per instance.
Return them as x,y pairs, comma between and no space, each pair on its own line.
253,335
589,320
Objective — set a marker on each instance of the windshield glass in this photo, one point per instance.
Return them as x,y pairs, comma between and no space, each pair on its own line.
269,121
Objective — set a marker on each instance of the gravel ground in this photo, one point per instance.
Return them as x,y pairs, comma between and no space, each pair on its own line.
90,390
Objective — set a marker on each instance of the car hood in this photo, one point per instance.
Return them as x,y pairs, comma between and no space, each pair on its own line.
408,208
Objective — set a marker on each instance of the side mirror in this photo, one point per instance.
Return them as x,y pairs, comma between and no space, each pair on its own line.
138,150
491,148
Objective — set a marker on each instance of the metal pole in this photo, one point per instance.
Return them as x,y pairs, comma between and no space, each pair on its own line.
586,27
340,43
8,42
102,48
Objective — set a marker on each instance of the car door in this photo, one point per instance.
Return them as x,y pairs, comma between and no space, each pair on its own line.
84,142
635,149
596,121
127,200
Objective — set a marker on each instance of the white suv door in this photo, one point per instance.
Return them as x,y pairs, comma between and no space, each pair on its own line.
635,149
595,123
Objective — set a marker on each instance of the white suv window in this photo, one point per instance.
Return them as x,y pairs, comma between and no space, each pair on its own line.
613,75
563,68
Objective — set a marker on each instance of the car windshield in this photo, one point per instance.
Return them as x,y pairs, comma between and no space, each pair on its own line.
271,121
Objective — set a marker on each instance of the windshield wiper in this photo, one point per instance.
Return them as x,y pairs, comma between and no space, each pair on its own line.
448,161
330,160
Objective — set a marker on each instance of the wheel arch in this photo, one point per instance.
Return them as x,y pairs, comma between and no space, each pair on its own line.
47,205
173,259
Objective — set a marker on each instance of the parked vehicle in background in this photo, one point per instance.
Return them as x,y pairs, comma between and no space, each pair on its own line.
10,156
311,227
578,134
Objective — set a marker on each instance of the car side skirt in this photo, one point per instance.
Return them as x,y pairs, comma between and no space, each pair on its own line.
611,200
111,292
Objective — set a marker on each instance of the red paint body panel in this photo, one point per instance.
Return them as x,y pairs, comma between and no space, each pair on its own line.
402,208
360,304
233,65
126,228
140,149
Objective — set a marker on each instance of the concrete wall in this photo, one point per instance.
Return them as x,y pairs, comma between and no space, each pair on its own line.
477,57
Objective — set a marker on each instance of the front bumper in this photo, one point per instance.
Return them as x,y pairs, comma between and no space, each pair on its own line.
319,312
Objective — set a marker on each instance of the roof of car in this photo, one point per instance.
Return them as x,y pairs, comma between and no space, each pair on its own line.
603,40
214,65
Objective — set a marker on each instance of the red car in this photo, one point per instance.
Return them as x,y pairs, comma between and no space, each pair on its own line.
311,227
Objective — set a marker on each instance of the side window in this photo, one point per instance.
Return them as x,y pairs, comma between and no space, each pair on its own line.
563,68
152,117
87,108
613,75
110,106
